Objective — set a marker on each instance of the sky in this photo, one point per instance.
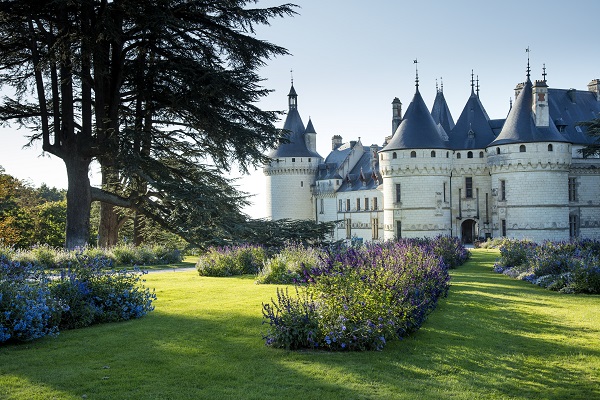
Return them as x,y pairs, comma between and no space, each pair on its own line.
351,58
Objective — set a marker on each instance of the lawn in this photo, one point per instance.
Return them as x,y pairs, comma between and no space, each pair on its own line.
493,337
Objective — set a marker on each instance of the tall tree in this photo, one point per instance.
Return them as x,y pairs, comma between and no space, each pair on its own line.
162,93
593,130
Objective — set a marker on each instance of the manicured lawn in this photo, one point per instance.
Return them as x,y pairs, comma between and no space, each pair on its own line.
493,337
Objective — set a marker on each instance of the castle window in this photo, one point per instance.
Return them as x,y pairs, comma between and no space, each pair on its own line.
503,225
394,155
382,157
572,189
337,181
481,154
357,204
375,228
374,203
444,192
522,148
322,206
457,155
550,148
573,226
301,183
398,229
348,228
347,204
470,154
432,153
340,205
366,204
293,159
413,154
398,193
502,191
309,159
447,154
469,187
497,150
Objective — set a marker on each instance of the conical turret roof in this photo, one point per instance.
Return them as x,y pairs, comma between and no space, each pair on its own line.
472,130
417,130
441,113
294,127
520,125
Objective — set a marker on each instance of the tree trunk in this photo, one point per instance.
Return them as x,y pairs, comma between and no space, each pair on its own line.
78,201
108,231
138,226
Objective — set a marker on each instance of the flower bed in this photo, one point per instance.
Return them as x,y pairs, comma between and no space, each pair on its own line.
568,267
359,298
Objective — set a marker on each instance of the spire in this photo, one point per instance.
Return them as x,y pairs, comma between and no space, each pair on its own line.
292,97
544,72
472,83
441,85
528,68
437,89
416,62
477,86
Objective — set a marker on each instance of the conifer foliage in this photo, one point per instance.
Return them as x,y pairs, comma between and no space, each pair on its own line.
162,93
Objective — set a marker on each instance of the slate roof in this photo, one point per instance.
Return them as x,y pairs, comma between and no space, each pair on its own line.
417,130
520,125
441,113
362,176
569,107
473,129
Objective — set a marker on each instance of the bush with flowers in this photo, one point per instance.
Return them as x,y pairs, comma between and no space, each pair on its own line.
231,260
568,266
34,304
359,298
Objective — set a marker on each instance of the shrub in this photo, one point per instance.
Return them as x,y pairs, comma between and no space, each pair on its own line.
125,254
289,265
27,310
358,299
231,260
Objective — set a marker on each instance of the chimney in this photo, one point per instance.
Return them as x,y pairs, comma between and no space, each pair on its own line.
336,141
540,104
518,89
594,87
374,149
572,93
396,114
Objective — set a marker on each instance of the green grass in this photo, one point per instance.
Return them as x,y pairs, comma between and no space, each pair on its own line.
493,337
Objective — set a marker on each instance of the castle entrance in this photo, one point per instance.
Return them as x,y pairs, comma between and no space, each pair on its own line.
468,231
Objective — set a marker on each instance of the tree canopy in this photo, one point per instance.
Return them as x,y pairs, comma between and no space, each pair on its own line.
162,93
593,130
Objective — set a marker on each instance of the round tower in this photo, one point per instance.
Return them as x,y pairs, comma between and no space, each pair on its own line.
529,164
415,169
292,171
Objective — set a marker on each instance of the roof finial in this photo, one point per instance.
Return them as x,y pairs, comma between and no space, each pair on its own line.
472,83
477,87
528,69
442,84
416,62
437,89
510,107
292,76
544,73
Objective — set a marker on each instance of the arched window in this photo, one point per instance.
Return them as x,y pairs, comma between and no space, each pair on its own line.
447,154
458,155
394,155
470,154
522,148
413,154
481,154
497,150
432,153
550,148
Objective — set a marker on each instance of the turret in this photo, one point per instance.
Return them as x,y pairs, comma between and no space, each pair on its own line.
310,137
336,141
594,87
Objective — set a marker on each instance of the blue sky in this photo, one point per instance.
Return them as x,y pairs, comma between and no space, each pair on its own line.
351,58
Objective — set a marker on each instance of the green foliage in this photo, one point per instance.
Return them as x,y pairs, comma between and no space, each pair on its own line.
275,234
593,130
289,265
231,260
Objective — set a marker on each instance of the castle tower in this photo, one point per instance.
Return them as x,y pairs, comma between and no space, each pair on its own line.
529,163
292,171
414,167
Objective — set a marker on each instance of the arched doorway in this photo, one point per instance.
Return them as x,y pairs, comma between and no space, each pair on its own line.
467,230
